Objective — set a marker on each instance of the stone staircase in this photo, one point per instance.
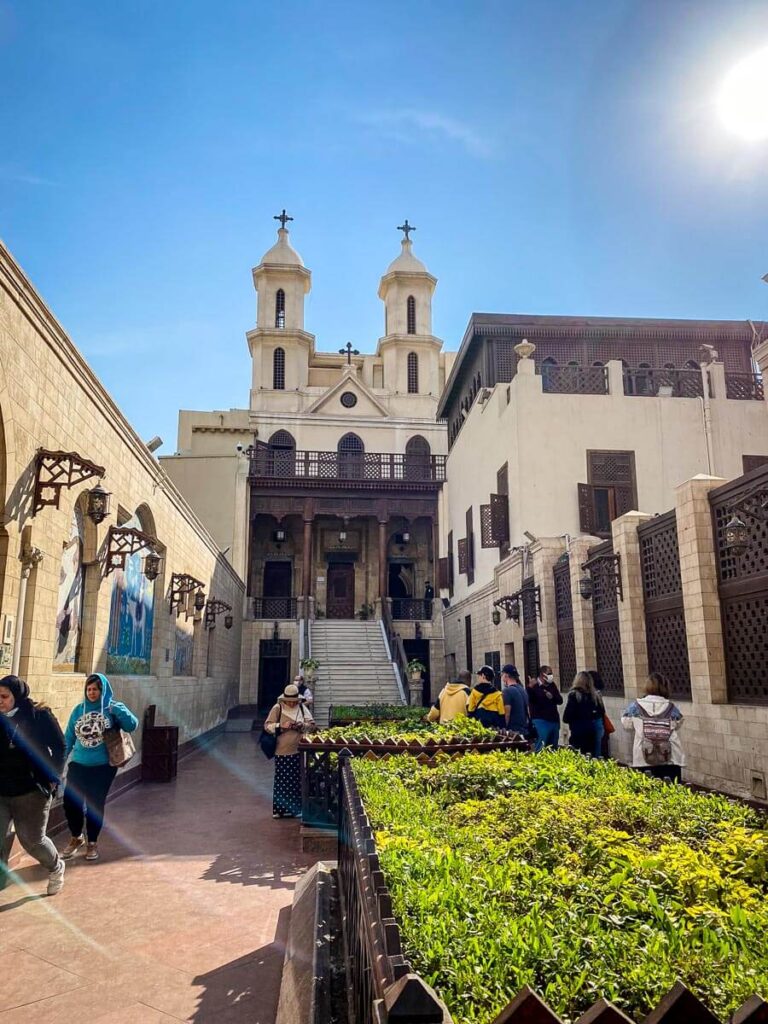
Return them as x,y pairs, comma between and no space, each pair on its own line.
354,665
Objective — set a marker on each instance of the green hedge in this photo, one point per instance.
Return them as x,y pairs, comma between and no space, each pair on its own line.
377,713
574,876
412,732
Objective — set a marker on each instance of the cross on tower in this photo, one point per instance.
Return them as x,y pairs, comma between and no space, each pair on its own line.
350,352
282,217
406,228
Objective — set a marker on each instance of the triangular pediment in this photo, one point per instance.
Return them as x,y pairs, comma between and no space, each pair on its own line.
330,403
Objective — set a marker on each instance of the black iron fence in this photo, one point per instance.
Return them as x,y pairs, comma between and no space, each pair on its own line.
411,608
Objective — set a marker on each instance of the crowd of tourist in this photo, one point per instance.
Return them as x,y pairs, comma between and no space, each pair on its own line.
532,711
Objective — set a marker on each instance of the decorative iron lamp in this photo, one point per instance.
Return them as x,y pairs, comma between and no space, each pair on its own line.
496,616
736,537
199,601
151,565
99,500
228,621
279,536
585,586
406,537
342,536
513,610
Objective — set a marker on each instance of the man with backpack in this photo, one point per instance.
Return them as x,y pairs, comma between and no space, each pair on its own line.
655,722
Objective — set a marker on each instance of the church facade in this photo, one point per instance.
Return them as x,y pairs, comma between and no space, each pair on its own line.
326,488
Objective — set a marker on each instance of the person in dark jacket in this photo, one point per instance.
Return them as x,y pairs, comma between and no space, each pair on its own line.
600,720
485,701
515,699
543,700
580,714
31,762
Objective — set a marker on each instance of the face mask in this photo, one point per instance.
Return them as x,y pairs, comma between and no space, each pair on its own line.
550,678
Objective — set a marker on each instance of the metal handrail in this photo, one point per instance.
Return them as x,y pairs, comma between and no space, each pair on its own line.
394,645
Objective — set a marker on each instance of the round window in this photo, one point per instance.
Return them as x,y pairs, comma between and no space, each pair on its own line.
348,400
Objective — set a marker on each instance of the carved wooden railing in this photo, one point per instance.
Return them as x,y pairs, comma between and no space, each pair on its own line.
411,608
275,607
647,382
574,380
383,469
744,386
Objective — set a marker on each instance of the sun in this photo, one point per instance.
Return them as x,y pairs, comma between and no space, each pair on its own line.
743,98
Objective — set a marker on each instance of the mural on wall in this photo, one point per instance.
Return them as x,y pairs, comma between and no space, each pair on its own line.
131,615
182,655
69,608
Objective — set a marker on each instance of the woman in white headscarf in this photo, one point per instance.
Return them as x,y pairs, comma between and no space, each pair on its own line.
287,721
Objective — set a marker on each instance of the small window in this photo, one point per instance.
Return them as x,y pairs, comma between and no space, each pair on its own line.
280,308
413,373
411,314
278,369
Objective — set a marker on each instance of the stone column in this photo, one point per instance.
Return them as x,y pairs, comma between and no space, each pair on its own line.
583,628
634,649
382,560
701,603
545,552
30,557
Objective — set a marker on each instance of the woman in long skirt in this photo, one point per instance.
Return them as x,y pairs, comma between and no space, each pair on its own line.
287,721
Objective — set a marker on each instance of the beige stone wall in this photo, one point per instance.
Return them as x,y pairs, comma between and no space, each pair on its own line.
544,439
50,398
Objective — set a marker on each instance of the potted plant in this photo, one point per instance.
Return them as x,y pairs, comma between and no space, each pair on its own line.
415,669
309,667
365,611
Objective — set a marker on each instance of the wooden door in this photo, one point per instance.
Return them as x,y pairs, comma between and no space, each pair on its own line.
341,591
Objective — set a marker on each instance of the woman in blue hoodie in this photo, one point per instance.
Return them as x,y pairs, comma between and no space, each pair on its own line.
90,774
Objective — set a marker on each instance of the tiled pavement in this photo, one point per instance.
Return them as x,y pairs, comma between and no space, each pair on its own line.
183,918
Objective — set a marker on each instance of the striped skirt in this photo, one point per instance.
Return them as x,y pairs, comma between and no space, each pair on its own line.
286,794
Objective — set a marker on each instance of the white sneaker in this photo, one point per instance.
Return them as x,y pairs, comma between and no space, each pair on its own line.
56,879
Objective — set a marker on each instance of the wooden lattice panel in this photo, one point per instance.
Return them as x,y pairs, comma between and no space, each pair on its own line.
754,561
745,634
608,650
563,598
668,650
660,556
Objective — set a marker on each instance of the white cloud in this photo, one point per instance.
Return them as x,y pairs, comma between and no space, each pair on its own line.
398,126
24,179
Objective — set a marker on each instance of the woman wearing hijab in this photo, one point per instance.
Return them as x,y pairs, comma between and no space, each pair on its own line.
90,775
31,762
287,721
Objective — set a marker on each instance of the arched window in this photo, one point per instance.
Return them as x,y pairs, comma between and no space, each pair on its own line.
278,369
350,457
417,459
280,308
282,454
692,365
413,373
547,371
411,305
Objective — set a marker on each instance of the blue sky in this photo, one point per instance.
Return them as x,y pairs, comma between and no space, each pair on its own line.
556,157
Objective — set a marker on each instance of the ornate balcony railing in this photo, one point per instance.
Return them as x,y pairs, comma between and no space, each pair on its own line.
274,607
574,380
411,608
366,469
648,381
744,386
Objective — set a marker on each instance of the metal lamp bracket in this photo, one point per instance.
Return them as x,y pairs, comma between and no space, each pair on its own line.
123,541
54,470
214,607
181,585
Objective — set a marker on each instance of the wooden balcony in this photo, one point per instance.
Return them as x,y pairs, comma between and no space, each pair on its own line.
365,470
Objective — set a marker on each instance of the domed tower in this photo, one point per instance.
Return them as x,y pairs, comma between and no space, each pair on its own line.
280,347
409,349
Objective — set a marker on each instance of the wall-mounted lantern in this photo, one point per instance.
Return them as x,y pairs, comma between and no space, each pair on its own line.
229,620
181,585
99,501
406,537
496,616
200,600
585,586
151,565
279,536
736,536
214,607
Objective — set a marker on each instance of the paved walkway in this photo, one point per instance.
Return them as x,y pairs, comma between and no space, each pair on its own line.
184,917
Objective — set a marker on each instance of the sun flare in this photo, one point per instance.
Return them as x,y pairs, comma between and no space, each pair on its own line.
743,98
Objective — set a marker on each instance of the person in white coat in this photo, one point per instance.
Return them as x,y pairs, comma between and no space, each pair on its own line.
655,724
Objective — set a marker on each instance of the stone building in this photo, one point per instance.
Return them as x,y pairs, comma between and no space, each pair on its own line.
78,592
566,429
326,487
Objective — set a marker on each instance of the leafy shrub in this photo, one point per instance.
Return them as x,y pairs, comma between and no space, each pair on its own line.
574,876
377,713
412,732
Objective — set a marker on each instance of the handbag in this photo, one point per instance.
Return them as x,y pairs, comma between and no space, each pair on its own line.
268,744
608,725
120,746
